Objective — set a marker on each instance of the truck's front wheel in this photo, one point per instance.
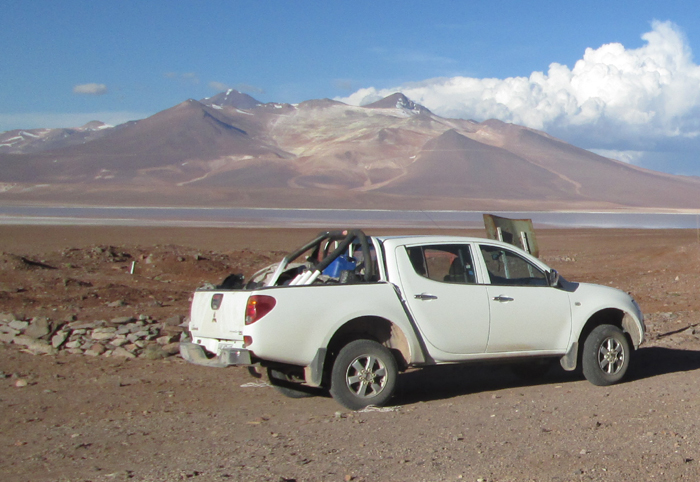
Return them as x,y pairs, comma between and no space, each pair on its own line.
364,373
606,355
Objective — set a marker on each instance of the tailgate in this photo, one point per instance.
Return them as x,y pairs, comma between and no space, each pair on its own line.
218,314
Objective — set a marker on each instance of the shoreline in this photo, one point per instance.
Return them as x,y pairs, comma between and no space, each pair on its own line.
291,218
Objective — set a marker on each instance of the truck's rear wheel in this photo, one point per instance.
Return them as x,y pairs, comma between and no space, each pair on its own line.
364,373
286,386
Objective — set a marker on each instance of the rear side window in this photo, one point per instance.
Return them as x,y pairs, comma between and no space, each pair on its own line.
449,263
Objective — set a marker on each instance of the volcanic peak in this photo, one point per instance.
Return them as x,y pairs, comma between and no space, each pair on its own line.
398,101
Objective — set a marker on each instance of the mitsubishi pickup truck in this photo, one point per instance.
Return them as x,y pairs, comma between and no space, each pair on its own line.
347,313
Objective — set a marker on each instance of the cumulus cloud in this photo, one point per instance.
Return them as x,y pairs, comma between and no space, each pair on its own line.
615,99
90,89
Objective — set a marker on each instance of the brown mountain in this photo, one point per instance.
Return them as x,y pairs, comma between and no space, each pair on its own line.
27,141
463,167
231,149
171,146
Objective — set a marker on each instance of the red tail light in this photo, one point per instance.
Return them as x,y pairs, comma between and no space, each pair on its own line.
257,307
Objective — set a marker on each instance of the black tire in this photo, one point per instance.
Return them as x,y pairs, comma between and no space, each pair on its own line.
533,369
364,373
286,386
606,355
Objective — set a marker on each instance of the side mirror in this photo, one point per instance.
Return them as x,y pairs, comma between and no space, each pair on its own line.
553,277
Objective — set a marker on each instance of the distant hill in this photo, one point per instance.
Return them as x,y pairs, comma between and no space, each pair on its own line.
231,149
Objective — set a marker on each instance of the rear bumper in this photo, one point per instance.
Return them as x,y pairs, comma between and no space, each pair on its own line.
195,353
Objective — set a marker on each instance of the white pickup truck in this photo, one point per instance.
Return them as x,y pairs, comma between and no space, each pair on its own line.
347,313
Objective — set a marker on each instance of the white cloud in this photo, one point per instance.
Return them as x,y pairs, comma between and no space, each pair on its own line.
251,89
218,86
39,120
190,77
410,56
630,157
90,89
613,98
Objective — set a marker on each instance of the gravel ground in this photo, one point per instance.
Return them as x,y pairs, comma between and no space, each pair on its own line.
72,417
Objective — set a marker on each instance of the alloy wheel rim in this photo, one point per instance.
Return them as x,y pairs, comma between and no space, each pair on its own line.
366,376
611,356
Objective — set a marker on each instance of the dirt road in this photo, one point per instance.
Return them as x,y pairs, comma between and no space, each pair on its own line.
78,418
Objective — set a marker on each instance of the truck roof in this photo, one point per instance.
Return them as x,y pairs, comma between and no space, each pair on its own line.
390,241
433,238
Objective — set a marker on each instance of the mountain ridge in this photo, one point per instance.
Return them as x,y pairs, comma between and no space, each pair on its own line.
231,149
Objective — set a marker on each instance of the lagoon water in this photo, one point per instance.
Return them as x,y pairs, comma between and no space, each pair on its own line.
329,218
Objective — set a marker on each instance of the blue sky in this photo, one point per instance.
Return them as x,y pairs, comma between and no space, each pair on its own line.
619,78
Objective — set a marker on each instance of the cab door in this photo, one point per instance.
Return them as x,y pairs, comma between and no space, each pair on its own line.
440,285
527,315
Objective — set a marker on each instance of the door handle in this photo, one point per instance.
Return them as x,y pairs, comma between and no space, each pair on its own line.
424,296
503,299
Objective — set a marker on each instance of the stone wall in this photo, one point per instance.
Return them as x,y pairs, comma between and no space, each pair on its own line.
127,337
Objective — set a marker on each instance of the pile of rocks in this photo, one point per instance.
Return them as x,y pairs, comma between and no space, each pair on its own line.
125,337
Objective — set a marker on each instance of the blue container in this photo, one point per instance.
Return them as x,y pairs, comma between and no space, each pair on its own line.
341,263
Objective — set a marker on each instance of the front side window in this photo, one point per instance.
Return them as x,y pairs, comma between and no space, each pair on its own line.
507,268
444,263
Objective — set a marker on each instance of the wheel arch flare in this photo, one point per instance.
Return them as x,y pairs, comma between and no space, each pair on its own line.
374,328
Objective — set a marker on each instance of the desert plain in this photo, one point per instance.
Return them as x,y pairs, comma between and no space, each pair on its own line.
95,417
